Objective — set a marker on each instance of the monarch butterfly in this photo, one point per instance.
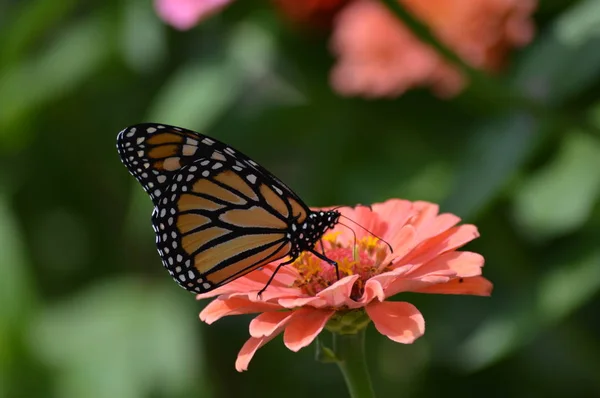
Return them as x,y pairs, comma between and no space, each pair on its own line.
217,214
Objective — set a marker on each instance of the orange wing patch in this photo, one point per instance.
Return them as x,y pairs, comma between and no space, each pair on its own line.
164,138
169,164
192,202
210,188
274,200
253,217
194,241
233,180
213,256
248,264
297,210
190,221
163,151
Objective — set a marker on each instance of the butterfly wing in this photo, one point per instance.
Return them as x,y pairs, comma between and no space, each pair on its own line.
218,214
154,152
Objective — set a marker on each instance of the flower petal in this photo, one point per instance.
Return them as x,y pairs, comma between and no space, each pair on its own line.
248,351
401,322
184,14
436,226
476,286
403,242
219,308
294,302
463,264
373,289
268,322
304,327
255,281
424,213
338,294
395,212
363,216
377,285
449,240
400,285
251,346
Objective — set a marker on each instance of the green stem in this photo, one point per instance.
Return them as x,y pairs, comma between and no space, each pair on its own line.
350,351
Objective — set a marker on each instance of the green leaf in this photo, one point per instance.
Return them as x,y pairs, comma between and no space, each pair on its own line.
122,339
559,198
27,23
565,59
143,37
559,293
493,155
200,93
16,290
63,65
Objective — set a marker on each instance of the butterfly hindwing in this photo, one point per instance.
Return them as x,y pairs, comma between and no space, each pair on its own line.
213,223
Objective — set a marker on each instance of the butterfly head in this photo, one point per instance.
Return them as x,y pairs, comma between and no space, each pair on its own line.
308,233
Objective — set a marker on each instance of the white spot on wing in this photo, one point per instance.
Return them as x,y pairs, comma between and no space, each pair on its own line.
189,150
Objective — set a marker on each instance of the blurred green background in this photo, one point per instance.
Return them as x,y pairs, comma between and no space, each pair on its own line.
86,308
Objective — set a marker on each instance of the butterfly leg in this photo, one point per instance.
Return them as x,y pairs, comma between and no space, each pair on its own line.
329,261
322,246
273,275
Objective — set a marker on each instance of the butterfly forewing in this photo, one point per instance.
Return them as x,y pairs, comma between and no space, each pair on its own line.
153,153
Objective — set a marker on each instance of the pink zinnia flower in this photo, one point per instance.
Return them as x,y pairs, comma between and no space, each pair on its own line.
378,56
185,14
306,296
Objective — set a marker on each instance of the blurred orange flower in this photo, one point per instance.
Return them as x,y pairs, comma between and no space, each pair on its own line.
378,56
306,297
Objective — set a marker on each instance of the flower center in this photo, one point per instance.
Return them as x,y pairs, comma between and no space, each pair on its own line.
363,258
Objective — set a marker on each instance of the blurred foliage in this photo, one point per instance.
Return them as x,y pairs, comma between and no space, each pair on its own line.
86,308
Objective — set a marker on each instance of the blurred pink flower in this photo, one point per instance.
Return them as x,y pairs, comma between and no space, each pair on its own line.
306,297
185,14
378,56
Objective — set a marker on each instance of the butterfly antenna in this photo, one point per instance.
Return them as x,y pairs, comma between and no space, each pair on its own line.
371,233
353,233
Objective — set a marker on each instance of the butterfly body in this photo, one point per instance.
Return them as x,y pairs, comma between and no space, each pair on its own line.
218,214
